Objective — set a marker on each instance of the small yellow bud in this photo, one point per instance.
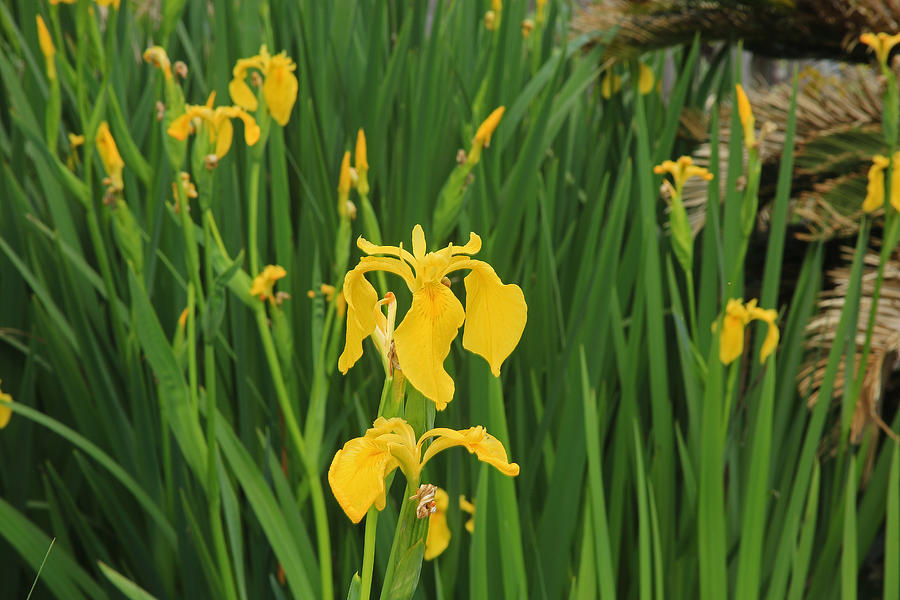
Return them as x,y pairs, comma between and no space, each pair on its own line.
745,112
360,159
527,26
344,180
490,20
46,43
486,130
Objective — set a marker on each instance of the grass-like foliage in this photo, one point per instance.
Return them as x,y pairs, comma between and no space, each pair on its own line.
212,389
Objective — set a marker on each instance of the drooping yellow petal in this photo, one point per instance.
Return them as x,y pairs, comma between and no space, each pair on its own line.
476,440
223,135
280,88
180,127
895,182
495,315
645,79
242,95
357,473
5,411
875,187
251,129
772,335
361,301
731,342
438,533
745,112
422,341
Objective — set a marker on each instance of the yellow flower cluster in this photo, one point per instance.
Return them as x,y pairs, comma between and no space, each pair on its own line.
681,170
882,44
358,470
495,313
265,281
737,316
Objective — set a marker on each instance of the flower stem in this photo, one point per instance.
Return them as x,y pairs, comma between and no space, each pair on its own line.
290,419
253,217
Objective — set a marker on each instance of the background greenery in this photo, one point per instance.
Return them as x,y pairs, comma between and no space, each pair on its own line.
648,469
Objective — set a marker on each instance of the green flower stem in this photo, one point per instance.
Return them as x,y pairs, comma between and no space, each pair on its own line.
729,393
407,551
373,234
315,483
372,515
253,217
191,255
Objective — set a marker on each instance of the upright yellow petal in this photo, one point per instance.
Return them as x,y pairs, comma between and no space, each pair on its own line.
875,187
280,88
361,300
360,157
109,155
357,473
5,411
477,441
422,341
745,112
418,243
645,79
47,48
438,533
495,315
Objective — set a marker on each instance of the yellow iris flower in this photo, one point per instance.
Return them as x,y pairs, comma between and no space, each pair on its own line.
280,85
265,281
218,123
737,316
882,44
112,160
438,533
358,469
681,170
5,411
495,313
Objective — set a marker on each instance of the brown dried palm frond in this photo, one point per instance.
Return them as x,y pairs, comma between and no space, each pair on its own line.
838,130
885,344
783,28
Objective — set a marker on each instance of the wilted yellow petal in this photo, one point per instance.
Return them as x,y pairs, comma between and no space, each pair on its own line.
422,340
745,112
495,315
156,55
438,533
357,473
280,88
486,129
476,440
645,79
265,281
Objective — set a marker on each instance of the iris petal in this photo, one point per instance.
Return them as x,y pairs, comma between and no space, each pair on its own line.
476,440
438,533
361,299
357,476
242,95
495,315
280,89
422,341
